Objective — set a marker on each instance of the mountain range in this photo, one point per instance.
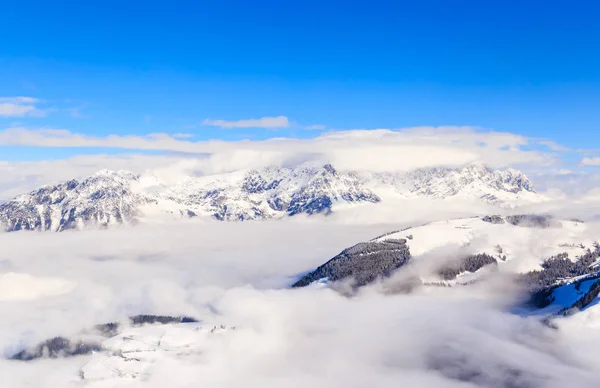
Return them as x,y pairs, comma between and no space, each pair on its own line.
121,197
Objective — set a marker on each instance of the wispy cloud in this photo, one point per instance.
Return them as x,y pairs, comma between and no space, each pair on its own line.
263,122
590,161
553,145
20,107
315,127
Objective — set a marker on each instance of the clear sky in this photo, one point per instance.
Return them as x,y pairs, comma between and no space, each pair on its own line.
133,68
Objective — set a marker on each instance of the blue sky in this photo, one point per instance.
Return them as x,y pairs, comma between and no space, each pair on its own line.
133,68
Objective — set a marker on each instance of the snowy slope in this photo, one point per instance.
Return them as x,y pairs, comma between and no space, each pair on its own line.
460,250
518,248
109,198
129,356
557,262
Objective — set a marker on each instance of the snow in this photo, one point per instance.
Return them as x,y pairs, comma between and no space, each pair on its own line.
110,197
130,355
525,248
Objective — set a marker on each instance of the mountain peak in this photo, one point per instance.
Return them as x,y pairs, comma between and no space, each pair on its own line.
114,197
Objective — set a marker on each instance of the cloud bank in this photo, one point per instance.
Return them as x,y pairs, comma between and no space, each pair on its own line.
375,150
233,274
379,150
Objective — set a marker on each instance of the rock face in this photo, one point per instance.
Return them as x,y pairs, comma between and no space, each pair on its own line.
109,198
364,263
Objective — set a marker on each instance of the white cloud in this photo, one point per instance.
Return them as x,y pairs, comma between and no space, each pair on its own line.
590,161
235,274
379,150
20,107
263,122
20,177
374,150
315,127
553,145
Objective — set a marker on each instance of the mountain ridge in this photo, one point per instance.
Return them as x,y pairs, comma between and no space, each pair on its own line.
121,197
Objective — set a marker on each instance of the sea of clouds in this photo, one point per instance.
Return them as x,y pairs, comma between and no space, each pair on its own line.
237,274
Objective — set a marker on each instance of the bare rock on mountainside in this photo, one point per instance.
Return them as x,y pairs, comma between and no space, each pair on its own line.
113,198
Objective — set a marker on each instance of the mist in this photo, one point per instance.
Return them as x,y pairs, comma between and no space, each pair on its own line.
237,274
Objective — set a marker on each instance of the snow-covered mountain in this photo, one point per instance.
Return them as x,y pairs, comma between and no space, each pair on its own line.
108,197
556,261
471,182
105,198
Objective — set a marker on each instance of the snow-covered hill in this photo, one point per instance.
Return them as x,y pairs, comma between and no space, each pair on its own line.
556,261
108,198
520,243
